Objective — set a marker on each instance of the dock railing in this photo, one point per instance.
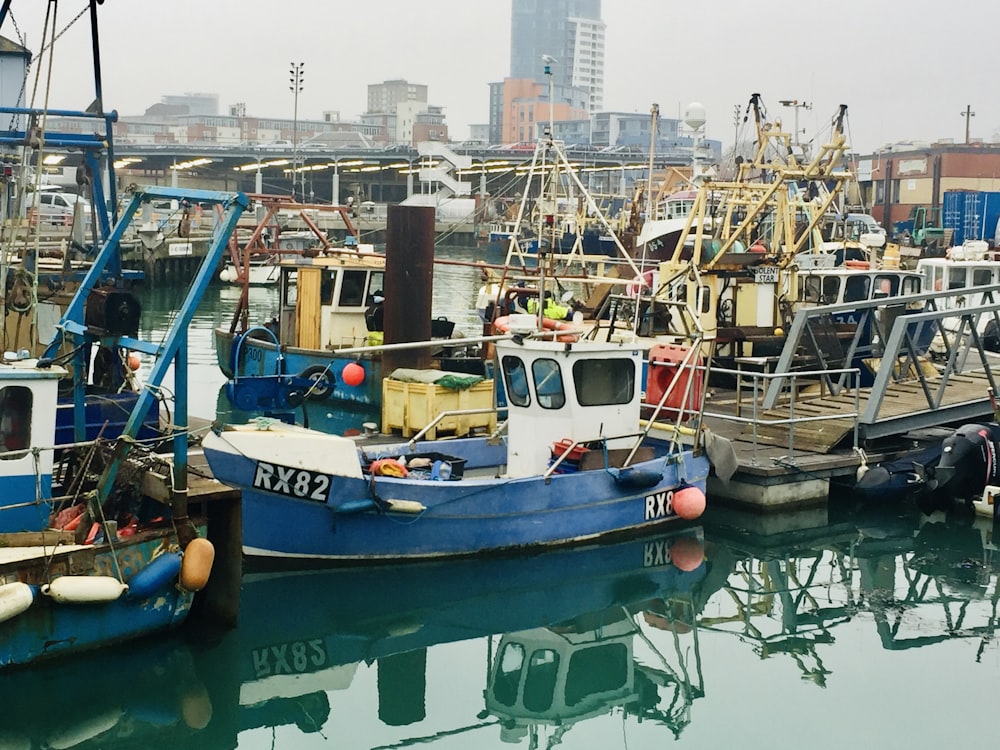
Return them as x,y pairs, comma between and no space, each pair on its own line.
760,382
925,339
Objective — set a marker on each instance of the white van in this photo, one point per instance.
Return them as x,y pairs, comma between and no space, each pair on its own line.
56,207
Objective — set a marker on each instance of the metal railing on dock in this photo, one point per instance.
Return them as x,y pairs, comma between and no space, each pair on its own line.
909,391
764,420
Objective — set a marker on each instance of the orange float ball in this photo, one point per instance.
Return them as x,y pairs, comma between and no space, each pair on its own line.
134,362
687,553
353,374
689,503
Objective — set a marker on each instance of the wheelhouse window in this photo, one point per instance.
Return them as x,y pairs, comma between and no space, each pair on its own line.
290,287
540,681
507,679
600,382
352,289
886,285
548,383
856,288
15,419
376,283
515,380
982,276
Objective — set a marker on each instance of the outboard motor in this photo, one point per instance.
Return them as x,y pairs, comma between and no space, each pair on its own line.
969,461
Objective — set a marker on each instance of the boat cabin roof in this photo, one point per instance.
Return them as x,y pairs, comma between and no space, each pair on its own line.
338,258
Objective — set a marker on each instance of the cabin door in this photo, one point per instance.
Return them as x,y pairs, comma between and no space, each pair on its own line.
307,308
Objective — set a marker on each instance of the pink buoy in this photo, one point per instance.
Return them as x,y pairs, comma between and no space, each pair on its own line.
353,374
687,553
689,503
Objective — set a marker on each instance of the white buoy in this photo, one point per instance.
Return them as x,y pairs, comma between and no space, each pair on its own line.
84,589
82,731
14,599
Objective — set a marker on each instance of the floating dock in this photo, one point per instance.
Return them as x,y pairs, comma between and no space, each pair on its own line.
794,430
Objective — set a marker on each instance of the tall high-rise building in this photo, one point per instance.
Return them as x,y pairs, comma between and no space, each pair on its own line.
572,32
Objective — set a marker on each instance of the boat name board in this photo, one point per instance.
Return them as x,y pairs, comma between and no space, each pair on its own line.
179,249
656,554
294,657
291,482
659,505
765,275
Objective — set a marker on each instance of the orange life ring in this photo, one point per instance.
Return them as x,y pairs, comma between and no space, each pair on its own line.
859,264
502,325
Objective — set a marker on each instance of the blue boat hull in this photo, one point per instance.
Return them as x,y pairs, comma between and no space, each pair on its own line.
357,619
106,415
260,357
465,517
49,628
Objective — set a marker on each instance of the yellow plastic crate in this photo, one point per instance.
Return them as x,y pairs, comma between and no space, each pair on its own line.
409,407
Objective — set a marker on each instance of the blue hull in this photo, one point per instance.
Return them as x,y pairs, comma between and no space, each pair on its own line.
48,628
174,692
260,357
465,517
357,618
108,412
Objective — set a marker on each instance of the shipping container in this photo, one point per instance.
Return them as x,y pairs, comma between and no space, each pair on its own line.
972,214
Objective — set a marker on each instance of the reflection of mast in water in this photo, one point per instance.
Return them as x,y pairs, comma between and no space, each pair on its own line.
922,582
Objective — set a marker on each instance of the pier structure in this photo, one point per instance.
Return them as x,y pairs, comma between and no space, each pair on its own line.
802,419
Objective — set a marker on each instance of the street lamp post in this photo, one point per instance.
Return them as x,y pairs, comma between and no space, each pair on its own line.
968,114
297,80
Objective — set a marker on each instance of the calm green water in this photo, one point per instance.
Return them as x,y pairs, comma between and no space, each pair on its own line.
839,628
857,632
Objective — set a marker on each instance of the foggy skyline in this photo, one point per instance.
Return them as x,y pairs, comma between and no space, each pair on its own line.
905,75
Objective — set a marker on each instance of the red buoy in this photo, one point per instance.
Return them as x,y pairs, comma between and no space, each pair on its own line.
687,553
689,503
353,374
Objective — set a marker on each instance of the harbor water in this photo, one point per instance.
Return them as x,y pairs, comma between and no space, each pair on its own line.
844,626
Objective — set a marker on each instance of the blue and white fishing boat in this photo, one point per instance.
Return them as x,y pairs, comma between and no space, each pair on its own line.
87,558
573,462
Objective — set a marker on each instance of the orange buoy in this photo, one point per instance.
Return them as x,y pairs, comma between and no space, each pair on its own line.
196,565
196,706
353,374
689,503
134,362
687,553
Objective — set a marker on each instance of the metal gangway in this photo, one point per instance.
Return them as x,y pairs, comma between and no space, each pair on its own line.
927,352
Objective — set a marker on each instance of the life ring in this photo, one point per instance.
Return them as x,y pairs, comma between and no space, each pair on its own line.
388,467
857,264
502,325
643,281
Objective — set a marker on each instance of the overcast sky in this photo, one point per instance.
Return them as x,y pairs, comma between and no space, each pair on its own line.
906,71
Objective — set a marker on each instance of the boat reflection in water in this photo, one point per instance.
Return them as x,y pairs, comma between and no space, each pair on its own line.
604,643
575,616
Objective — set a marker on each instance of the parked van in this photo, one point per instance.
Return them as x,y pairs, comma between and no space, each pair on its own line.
56,207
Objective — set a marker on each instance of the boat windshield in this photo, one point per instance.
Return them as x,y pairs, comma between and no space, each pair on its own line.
600,382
